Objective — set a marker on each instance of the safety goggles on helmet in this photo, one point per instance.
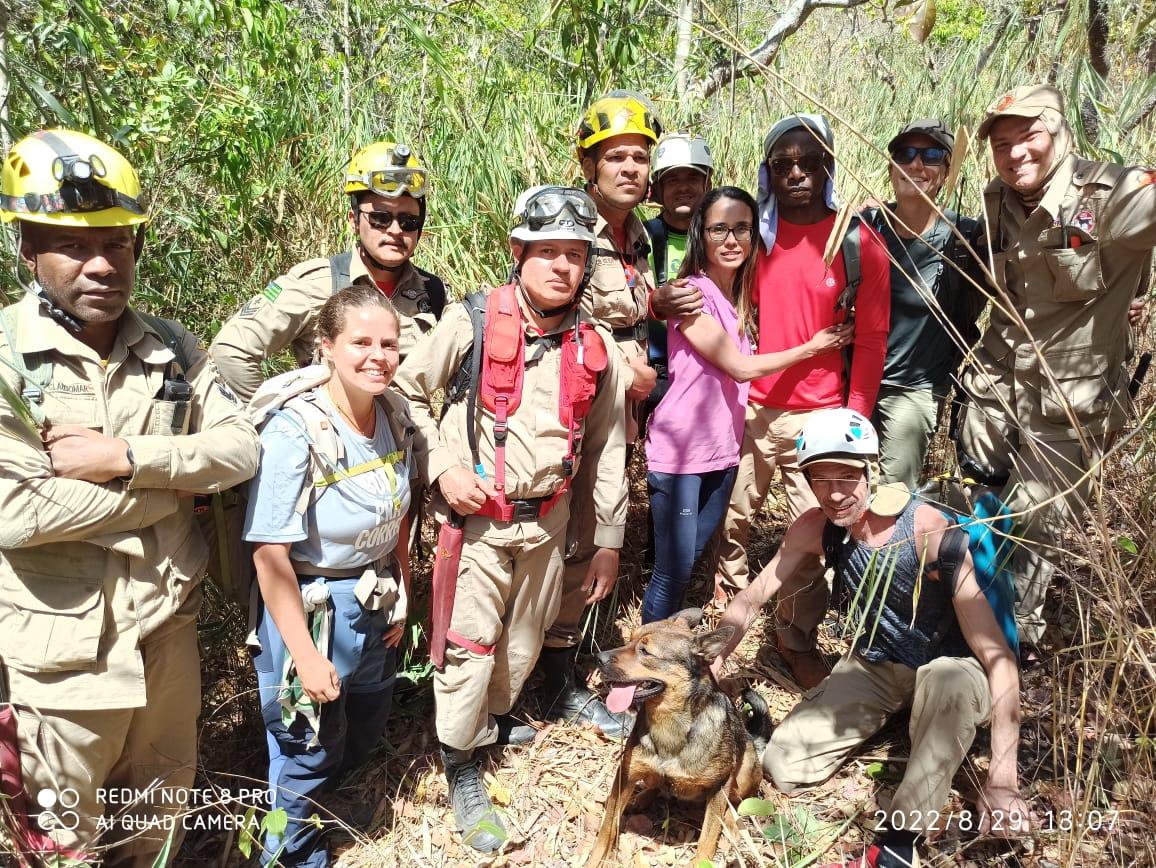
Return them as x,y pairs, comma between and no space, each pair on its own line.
933,156
547,207
393,182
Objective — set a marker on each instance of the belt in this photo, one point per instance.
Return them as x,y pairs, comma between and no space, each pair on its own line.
303,569
636,332
530,509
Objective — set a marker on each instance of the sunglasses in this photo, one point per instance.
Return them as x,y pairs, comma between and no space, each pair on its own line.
719,231
933,156
809,164
382,220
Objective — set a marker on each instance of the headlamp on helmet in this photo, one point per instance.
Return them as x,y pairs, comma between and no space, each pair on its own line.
67,178
388,169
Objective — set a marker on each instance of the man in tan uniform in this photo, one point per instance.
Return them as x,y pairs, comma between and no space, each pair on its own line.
1071,243
387,188
615,138
509,477
109,421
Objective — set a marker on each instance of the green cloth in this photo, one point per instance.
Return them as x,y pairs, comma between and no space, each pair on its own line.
921,352
675,253
292,696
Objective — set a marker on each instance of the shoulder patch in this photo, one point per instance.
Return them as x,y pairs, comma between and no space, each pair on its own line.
1147,177
252,306
272,290
227,393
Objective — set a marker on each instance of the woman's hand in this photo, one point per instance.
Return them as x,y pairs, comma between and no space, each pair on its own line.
318,677
833,338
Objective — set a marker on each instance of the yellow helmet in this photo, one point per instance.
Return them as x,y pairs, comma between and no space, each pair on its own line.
386,168
66,178
619,113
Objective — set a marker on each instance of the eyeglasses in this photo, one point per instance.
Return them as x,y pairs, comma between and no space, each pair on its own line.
719,231
382,220
933,156
395,182
547,206
809,164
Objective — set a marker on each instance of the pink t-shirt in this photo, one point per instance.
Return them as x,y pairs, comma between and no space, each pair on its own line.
698,425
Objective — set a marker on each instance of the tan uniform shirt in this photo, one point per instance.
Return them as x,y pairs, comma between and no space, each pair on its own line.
537,439
609,301
1073,296
88,572
284,314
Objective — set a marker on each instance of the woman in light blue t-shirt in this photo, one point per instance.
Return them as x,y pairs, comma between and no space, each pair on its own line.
332,565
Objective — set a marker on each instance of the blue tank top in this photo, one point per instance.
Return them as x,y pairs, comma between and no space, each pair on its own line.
894,608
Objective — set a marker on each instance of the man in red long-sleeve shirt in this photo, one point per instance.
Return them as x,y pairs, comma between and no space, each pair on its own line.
797,294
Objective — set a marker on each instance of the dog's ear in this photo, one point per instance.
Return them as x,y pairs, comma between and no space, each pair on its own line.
710,645
690,617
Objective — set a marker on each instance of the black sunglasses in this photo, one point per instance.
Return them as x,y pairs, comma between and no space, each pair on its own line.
382,220
933,156
809,164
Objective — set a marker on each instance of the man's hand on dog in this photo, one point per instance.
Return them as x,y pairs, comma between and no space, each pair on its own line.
78,452
602,575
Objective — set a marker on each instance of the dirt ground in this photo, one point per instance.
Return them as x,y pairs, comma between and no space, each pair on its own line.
552,791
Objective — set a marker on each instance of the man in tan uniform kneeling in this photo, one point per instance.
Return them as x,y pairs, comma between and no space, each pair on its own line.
109,421
522,407
1071,242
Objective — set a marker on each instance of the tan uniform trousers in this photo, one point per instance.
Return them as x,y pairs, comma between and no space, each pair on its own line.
124,752
949,697
1040,472
768,445
509,587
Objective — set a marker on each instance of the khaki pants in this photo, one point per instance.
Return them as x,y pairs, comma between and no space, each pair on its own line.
949,697
769,437
1037,472
509,587
905,419
74,753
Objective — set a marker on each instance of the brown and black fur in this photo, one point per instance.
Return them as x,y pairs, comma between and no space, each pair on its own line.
689,741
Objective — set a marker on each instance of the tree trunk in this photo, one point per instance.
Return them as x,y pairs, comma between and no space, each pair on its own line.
686,13
1098,36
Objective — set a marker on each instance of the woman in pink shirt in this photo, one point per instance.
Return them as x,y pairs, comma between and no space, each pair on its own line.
693,441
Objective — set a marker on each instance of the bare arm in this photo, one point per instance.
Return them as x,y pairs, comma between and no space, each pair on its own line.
712,343
802,546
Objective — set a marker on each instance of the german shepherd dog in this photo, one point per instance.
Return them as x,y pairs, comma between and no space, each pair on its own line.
689,740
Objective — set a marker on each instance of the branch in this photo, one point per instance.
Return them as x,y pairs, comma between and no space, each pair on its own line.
1145,111
762,54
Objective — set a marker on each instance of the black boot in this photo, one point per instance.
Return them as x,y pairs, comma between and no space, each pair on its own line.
563,698
480,825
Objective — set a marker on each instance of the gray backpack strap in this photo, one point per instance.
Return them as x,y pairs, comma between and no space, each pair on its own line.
168,338
851,248
339,266
34,374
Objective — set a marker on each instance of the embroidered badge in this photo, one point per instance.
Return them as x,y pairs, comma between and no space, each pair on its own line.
272,290
1086,220
228,393
1148,177
1004,101
251,307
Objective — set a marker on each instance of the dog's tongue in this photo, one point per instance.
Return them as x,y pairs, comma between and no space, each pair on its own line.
620,698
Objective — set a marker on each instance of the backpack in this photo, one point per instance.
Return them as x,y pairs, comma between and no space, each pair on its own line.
493,368
851,249
987,534
435,288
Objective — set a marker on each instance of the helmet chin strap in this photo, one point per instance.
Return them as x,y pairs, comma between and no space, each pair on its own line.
393,269
73,323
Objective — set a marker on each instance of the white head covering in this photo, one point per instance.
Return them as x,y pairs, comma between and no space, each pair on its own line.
768,206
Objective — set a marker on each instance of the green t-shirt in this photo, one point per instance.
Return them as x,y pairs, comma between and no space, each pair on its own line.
921,352
675,253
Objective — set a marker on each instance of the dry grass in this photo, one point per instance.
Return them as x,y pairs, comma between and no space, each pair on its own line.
1084,747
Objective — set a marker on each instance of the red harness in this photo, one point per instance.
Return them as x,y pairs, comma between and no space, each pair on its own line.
584,357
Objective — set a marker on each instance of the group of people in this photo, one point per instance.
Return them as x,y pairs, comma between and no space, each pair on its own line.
741,335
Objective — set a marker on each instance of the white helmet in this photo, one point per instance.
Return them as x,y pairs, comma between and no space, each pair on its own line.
838,435
848,437
681,151
548,212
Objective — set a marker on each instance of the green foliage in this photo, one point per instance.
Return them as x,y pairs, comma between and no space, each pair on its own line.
274,823
960,20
